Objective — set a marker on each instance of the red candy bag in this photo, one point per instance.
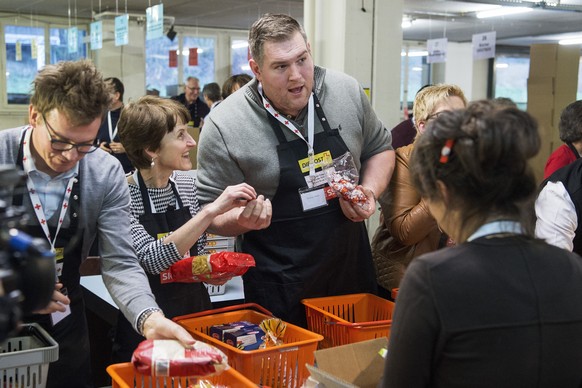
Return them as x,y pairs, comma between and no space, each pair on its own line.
216,266
169,358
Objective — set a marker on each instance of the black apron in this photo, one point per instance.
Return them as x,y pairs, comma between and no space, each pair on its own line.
308,254
73,368
173,298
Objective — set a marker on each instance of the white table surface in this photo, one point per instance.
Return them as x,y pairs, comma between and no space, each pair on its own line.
234,289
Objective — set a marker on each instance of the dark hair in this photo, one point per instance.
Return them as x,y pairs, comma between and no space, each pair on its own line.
117,86
144,123
228,87
272,28
505,101
571,123
76,89
487,172
211,91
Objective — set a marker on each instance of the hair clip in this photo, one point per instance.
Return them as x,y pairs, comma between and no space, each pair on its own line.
446,150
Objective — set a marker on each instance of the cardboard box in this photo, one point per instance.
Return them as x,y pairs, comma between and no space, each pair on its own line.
354,365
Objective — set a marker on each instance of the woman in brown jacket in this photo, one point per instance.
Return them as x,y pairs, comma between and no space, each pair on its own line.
407,229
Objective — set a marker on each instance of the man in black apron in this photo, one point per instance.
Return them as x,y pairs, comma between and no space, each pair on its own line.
73,195
276,136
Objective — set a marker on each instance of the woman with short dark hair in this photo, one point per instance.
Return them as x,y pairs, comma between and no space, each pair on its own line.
167,223
500,309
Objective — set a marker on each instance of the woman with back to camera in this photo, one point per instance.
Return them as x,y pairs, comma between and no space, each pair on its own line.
500,309
167,223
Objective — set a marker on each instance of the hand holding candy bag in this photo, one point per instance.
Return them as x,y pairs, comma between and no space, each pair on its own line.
342,176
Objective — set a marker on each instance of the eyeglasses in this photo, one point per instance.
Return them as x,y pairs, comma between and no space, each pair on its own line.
195,88
61,145
435,115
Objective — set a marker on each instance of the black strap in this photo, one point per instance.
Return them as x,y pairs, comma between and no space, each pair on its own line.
574,150
146,197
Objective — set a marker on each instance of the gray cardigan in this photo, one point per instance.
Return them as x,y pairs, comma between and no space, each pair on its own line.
238,145
104,212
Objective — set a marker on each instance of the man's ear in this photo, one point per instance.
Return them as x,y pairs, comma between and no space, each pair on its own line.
255,69
33,116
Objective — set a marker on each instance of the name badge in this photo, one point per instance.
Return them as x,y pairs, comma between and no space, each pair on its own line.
312,198
317,179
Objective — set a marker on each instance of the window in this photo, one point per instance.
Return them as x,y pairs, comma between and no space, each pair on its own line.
415,73
159,74
511,73
59,45
204,71
239,58
25,55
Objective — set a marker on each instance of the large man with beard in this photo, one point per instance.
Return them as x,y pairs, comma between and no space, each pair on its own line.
274,134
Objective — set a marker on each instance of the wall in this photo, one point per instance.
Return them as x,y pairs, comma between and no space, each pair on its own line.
364,40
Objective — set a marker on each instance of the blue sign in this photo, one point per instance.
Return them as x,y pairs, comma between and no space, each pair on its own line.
155,22
96,35
122,30
72,39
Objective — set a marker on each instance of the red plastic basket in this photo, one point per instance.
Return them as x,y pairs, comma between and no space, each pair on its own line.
278,366
124,376
347,319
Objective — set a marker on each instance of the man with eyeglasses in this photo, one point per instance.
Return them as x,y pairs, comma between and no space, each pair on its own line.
76,192
190,98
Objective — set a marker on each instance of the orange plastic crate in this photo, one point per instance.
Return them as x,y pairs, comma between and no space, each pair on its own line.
124,376
395,293
347,319
278,366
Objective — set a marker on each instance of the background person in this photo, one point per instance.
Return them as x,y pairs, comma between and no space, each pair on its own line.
190,99
570,127
261,136
211,94
167,223
108,132
234,83
70,179
407,228
500,309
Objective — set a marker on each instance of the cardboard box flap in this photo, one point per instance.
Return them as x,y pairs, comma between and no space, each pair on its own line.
359,363
326,379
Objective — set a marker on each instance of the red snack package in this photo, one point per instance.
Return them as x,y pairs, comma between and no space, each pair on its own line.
220,265
169,358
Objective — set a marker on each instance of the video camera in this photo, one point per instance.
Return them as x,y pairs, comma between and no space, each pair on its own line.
27,264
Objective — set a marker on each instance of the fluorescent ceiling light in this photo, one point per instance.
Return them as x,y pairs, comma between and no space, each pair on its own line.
406,23
502,11
502,65
565,42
